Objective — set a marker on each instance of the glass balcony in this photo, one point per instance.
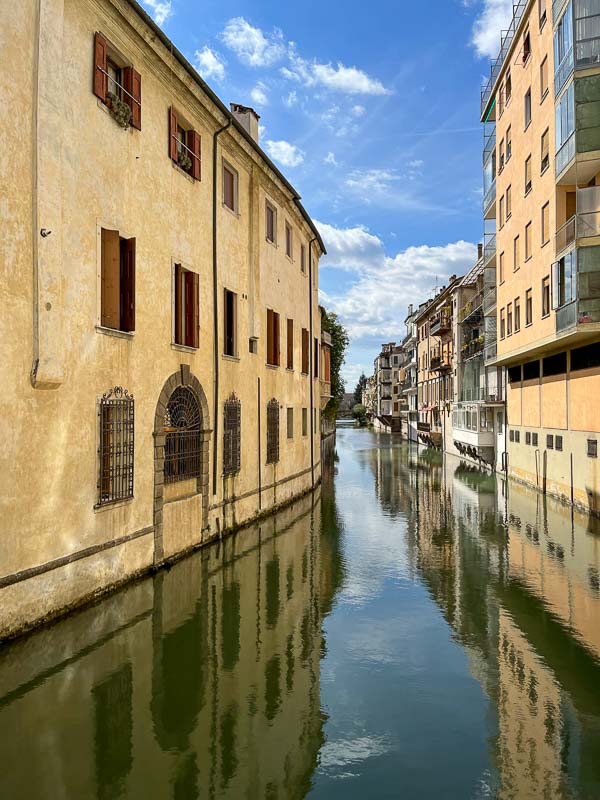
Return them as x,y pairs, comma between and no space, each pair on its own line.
557,7
584,224
489,300
565,155
563,72
486,92
489,201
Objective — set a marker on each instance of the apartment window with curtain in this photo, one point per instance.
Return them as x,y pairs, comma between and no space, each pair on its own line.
545,296
545,151
528,241
272,338
230,323
184,144
117,84
517,314
528,307
509,319
508,202
527,108
527,174
508,144
516,254
545,223
290,344
187,302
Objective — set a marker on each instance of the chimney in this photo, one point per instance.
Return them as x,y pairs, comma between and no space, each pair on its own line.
410,309
451,279
479,251
247,117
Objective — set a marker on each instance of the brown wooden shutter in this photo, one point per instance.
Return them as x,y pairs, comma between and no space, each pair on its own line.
276,348
100,64
290,344
179,333
132,82
193,142
188,292
269,336
128,287
173,134
111,280
196,309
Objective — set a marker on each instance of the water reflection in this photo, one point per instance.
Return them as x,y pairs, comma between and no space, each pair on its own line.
422,629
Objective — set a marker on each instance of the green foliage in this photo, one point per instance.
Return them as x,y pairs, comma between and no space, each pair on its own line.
359,412
120,110
183,159
358,391
339,343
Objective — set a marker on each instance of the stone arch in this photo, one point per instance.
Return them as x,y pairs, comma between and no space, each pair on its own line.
183,377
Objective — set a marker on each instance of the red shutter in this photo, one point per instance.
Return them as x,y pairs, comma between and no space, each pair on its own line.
100,59
179,339
128,288
195,309
173,134
290,344
269,336
193,142
276,349
132,83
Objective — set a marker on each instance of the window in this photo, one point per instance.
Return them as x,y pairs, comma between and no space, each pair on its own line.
511,435
516,253
563,49
501,268
549,441
508,202
542,12
509,319
501,100
117,290
508,84
563,287
508,144
305,352
501,155
288,240
527,108
587,357
554,365
528,307
327,364
527,174
290,423
183,442
517,314
116,451
545,223
118,86
534,439
592,448
232,435
302,258
564,125
184,145
526,46
271,223
305,422
290,344
316,358
545,144
517,436
558,443
272,431
544,78
230,323
230,188
501,212
528,241
272,338
546,296
502,324
187,320
527,437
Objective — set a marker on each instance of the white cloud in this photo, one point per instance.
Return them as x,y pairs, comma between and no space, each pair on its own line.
417,163
339,78
494,18
259,95
251,45
285,153
210,64
291,99
358,111
161,10
330,159
375,304
371,181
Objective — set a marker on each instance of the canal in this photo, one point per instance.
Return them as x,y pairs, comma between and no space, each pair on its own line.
418,629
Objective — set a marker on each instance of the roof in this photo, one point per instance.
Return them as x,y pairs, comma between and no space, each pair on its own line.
473,274
228,115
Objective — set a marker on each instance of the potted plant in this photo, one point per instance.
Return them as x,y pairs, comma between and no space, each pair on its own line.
183,159
120,110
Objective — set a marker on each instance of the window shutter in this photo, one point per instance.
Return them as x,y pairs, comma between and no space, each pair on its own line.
111,280
128,291
196,308
100,64
189,287
276,348
193,142
555,286
172,135
179,333
269,336
290,344
132,81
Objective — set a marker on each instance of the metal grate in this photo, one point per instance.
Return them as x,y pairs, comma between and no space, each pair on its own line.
272,431
232,431
183,444
116,450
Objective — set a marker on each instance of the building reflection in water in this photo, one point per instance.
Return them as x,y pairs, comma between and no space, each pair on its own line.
516,576
200,682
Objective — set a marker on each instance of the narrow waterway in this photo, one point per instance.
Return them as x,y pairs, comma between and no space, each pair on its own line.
418,629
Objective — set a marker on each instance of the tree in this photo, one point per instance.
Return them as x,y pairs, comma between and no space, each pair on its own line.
358,391
359,412
339,342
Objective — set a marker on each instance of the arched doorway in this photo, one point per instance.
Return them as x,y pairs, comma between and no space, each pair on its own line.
181,441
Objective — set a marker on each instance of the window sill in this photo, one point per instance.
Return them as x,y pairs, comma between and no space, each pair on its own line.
545,243
183,172
527,126
272,366
115,332
113,504
527,191
289,369
271,242
233,211
304,374
528,258
544,96
227,357
528,324
183,348
545,316
545,169
508,216
289,258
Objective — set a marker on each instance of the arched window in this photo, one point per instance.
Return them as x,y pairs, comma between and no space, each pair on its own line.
232,425
183,445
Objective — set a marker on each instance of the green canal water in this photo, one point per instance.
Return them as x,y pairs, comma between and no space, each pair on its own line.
417,629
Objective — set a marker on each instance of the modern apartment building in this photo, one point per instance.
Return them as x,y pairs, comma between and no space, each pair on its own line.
161,329
541,114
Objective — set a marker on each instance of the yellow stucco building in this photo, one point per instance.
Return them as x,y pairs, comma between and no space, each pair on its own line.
160,326
541,206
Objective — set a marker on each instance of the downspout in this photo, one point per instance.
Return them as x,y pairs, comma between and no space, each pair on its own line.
216,135
310,362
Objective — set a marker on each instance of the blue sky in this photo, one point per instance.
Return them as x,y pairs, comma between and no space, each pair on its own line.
371,111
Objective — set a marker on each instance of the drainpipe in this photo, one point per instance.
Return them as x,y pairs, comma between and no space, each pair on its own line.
311,346
216,135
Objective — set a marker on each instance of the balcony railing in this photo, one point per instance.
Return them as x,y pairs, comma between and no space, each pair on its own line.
518,11
489,300
489,144
472,348
585,223
471,311
489,250
439,364
565,155
566,235
563,72
441,323
579,312
490,351
490,197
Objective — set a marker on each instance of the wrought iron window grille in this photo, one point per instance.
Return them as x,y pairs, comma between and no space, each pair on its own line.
183,440
272,431
116,413
232,427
